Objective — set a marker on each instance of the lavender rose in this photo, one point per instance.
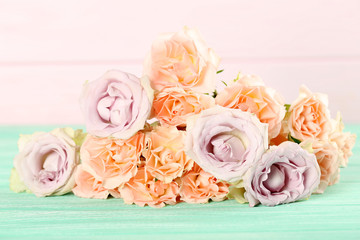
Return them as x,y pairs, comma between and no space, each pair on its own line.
226,142
46,162
117,104
286,173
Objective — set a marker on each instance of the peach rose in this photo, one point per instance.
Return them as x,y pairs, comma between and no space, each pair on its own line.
327,155
309,116
164,153
172,106
145,189
181,59
112,160
344,140
249,94
89,186
282,136
198,186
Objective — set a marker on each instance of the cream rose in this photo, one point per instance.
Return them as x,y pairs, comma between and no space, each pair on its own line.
345,141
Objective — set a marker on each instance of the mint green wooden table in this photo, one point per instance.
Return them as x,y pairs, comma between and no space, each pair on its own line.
333,215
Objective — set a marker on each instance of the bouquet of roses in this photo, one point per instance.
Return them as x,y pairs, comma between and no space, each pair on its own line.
169,137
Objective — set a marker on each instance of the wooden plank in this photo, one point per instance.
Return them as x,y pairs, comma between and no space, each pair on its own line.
333,215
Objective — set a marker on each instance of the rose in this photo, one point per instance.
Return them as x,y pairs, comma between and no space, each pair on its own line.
283,135
145,189
117,104
164,153
89,185
250,94
112,160
328,158
16,185
46,162
345,141
172,106
309,116
237,191
226,142
198,186
286,173
181,59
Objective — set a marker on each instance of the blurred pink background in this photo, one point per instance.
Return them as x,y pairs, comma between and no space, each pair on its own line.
48,49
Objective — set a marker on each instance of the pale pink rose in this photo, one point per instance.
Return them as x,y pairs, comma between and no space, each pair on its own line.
344,140
172,106
164,153
250,94
117,104
226,142
309,116
182,59
46,162
114,161
145,189
285,173
328,158
88,185
198,186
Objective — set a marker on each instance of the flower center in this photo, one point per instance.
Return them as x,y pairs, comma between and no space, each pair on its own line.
52,162
116,107
276,179
166,157
228,148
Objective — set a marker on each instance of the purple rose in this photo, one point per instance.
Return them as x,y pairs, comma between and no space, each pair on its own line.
46,162
226,142
286,173
117,104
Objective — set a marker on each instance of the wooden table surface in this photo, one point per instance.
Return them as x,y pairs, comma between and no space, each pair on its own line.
333,215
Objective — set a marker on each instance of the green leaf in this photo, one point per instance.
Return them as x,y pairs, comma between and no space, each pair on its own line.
237,77
220,71
287,107
224,83
215,93
291,138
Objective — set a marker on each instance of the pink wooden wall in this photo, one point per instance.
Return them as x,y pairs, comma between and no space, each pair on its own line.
49,48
